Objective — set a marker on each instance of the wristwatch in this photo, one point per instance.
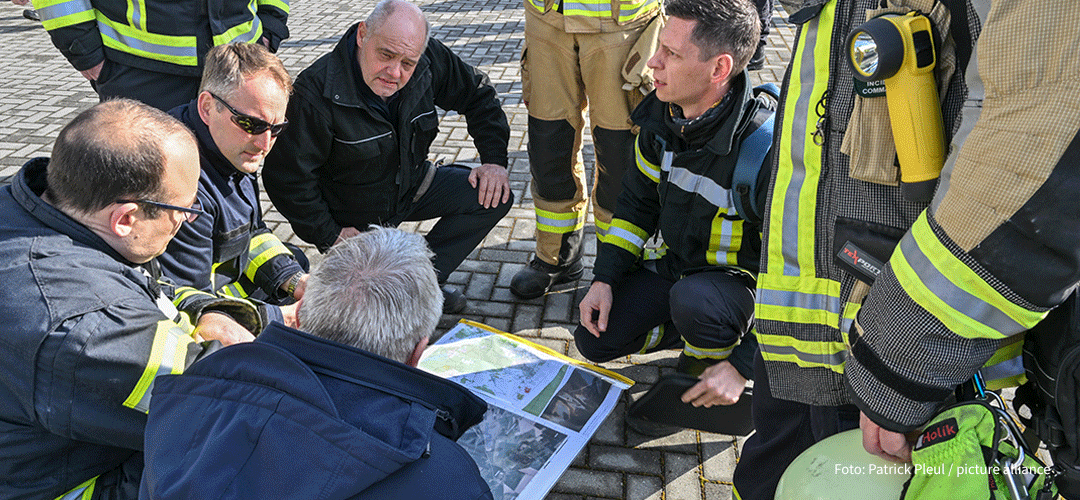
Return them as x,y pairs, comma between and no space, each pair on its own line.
290,286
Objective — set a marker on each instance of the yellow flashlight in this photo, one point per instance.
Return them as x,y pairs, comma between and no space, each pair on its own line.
899,50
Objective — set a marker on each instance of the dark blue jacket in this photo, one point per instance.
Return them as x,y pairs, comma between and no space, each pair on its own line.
84,334
228,251
296,416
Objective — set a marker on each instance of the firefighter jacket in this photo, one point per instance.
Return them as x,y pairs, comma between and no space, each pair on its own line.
165,36
85,335
228,251
343,164
318,408
681,191
983,262
595,16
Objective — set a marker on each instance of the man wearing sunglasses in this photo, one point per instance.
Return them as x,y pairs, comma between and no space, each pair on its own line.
87,323
361,125
236,118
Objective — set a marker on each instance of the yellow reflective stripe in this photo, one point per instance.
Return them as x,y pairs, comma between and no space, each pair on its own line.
653,339
282,5
233,290
536,4
725,240
719,353
851,309
83,491
952,292
806,354
172,49
797,299
655,253
559,223
166,357
1006,367
185,292
602,229
626,236
135,14
244,32
588,8
62,13
792,214
631,11
651,170
261,249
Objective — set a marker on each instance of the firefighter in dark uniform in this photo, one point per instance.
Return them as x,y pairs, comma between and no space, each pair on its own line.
88,326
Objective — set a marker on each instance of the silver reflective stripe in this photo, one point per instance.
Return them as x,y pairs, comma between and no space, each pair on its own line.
724,242
630,237
363,140
558,222
809,301
64,9
597,7
653,339
704,186
256,30
801,114
136,15
145,46
1011,367
954,296
836,359
76,493
665,163
422,115
170,344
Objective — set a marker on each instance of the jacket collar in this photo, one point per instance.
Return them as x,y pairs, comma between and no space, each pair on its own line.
208,149
338,360
27,188
653,115
342,73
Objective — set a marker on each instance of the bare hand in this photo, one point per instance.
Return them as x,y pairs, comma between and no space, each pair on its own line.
598,299
20,2
92,74
346,233
289,315
721,384
223,328
265,41
891,446
492,184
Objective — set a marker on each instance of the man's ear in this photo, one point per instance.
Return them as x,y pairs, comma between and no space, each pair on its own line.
361,32
723,67
122,219
299,309
414,358
204,102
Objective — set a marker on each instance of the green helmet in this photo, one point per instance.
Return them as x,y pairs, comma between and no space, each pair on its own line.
838,468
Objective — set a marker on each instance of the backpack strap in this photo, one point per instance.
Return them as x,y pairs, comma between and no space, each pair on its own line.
755,147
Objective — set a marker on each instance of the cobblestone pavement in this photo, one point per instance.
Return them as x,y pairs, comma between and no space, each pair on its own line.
40,92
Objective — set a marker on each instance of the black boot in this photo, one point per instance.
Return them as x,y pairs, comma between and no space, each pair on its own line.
453,300
539,276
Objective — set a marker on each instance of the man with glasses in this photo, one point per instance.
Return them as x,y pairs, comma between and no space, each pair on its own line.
87,323
236,118
362,123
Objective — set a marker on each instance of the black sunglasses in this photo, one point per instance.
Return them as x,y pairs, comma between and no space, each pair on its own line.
189,213
250,124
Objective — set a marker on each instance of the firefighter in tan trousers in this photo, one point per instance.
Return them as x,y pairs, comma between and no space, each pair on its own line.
575,53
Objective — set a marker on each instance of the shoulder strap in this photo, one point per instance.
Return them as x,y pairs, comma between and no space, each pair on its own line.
755,147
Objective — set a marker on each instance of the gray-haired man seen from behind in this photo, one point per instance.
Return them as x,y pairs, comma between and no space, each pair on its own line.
345,396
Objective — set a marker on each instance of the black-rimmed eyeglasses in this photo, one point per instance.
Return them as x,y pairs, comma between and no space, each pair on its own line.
190,214
250,124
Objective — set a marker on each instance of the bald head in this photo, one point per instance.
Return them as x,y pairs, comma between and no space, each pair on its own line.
113,150
401,11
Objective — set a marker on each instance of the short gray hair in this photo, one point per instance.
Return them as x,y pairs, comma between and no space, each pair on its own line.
385,8
376,291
